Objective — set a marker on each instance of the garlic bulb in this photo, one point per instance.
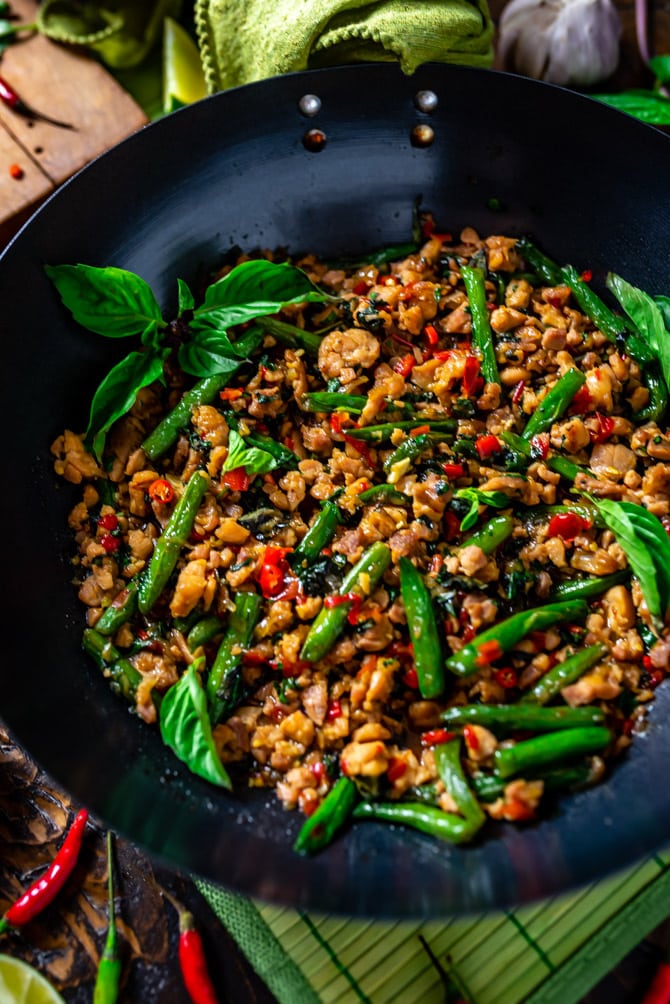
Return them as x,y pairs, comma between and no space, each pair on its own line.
566,42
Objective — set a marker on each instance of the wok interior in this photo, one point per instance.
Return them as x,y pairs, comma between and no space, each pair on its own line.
509,156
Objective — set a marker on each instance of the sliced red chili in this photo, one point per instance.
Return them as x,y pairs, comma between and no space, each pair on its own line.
453,470
567,525
507,677
419,430
396,769
539,446
355,599
488,652
586,275
161,491
411,679
361,288
110,543
471,738
405,365
582,401
231,393
452,525
487,445
517,393
433,737
472,381
271,580
605,428
237,480
110,521
334,710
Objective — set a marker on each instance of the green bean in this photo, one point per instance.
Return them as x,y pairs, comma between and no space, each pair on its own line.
482,334
336,809
568,469
422,625
120,610
361,579
562,674
586,589
125,679
223,681
168,547
203,631
547,270
408,450
505,635
291,335
555,747
319,535
452,775
491,534
654,410
384,493
528,717
426,818
554,403
285,458
382,256
489,787
329,401
383,433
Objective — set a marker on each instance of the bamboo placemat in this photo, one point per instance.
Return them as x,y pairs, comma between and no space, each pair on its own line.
550,951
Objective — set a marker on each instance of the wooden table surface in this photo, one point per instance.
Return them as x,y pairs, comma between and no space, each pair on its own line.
66,941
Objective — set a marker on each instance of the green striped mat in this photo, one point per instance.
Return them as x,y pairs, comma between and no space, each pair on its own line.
550,951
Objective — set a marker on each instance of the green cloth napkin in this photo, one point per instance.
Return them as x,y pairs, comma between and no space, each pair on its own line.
245,40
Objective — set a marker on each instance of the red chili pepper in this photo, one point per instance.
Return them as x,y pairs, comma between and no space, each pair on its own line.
432,337
237,480
110,521
581,402
318,769
507,677
405,365
16,171
40,893
396,769
586,275
231,393
517,393
452,525
9,97
487,445
334,710
360,447
428,232
193,963
442,357
539,446
161,490
271,580
605,428
361,288
472,380
433,737
419,430
471,739
354,598
411,679
567,525
658,991
453,470
488,652
109,543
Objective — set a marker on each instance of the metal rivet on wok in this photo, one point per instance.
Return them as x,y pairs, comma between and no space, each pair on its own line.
425,101
422,135
314,140
309,105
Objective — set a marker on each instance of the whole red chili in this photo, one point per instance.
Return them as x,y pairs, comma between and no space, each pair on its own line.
161,490
567,525
9,97
43,890
658,991
487,445
193,963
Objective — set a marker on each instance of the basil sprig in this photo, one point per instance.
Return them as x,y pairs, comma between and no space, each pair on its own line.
477,497
186,728
649,317
119,304
254,459
647,548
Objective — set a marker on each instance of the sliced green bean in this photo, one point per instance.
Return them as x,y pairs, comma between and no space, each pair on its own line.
362,579
427,818
203,631
528,717
319,535
124,678
452,775
331,815
422,626
482,333
120,610
553,748
493,533
554,404
562,674
587,588
167,549
505,635
223,682
383,433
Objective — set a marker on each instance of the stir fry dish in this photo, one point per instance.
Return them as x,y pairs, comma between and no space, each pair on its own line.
388,536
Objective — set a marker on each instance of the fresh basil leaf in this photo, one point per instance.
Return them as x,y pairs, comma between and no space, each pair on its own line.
647,317
187,730
200,362
116,394
252,458
477,497
646,105
253,289
663,304
109,301
660,67
186,299
647,549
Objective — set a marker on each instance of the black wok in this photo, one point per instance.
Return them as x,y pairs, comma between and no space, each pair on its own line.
509,155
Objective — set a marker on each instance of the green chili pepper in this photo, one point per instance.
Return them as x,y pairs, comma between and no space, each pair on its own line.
120,610
223,683
528,717
493,533
362,580
482,334
422,625
554,404
106,990
562,674
452,775
426,818
168,547
495,641
336,809
586,589
552,748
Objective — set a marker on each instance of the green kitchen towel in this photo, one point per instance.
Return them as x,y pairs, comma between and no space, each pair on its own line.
245,40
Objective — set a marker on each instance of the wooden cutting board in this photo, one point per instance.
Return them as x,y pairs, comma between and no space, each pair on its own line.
69,85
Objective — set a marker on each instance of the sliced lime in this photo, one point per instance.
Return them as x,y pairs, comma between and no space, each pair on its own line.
21,984
183,76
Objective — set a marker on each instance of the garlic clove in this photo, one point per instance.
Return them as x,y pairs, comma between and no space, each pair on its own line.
566,42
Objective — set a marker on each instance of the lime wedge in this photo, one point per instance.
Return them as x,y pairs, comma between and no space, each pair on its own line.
21,984
183,76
